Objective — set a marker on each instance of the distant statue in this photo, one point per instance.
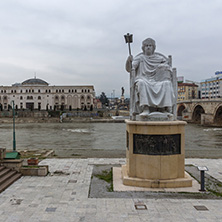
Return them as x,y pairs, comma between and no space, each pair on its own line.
153,83
122,91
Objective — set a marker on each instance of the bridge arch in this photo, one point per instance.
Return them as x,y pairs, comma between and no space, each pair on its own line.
218,115
180,110
197,111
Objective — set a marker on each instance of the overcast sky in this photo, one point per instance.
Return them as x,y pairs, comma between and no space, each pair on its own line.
79,42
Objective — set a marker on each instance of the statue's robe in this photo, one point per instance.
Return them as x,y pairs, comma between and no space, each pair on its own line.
152,82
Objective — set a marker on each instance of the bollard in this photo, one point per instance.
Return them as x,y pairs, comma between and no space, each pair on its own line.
202,170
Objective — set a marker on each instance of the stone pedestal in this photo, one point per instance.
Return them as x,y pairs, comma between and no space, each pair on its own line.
122,99
155,154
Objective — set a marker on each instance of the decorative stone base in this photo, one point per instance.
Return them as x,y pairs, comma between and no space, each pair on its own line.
155,154
172,183
157,116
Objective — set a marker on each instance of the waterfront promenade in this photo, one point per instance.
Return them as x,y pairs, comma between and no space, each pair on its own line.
64,197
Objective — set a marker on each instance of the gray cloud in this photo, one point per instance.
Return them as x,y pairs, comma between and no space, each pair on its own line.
81,41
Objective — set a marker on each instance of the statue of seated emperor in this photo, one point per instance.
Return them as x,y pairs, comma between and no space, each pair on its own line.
153,84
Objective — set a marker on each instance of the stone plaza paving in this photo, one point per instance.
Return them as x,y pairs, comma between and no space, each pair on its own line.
63,196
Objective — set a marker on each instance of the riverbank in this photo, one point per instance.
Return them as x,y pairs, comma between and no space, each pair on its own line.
57,120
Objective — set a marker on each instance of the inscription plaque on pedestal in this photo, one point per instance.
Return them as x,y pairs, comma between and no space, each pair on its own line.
157,144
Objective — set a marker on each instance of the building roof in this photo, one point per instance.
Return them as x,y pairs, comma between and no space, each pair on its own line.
218,77
35,81
187,84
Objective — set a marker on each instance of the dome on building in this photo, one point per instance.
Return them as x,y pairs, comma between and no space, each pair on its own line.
35,81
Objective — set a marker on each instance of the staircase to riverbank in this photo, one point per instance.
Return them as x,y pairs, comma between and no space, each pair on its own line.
7,177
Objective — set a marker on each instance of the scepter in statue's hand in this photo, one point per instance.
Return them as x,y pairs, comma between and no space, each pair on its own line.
129,39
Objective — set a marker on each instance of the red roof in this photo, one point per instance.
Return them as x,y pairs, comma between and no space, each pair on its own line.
187,84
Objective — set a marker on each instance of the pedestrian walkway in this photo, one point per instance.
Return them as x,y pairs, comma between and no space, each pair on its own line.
63,196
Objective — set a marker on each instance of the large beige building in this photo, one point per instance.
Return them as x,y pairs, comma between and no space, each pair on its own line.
38,94
187,91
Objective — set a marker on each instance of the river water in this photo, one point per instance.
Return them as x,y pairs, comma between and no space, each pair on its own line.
100,139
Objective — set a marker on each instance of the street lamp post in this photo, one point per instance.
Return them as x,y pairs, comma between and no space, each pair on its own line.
13,112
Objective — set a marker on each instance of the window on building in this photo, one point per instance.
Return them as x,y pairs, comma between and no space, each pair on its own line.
21,98
39,97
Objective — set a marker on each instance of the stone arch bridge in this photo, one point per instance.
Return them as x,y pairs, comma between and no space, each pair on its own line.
202,111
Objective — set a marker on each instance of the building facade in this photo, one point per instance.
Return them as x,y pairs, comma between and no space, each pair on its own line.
37,94
187,91
212,87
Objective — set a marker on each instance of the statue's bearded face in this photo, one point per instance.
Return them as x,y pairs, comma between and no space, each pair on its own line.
148,48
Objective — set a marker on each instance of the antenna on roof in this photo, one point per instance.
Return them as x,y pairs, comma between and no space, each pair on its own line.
35,75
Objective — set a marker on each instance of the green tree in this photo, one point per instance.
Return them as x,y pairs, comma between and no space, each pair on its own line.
103,99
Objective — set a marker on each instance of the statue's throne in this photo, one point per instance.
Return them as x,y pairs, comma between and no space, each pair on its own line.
172,76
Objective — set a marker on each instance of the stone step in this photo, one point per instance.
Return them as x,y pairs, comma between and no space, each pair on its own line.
4,172
2,167
7,176
9,181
